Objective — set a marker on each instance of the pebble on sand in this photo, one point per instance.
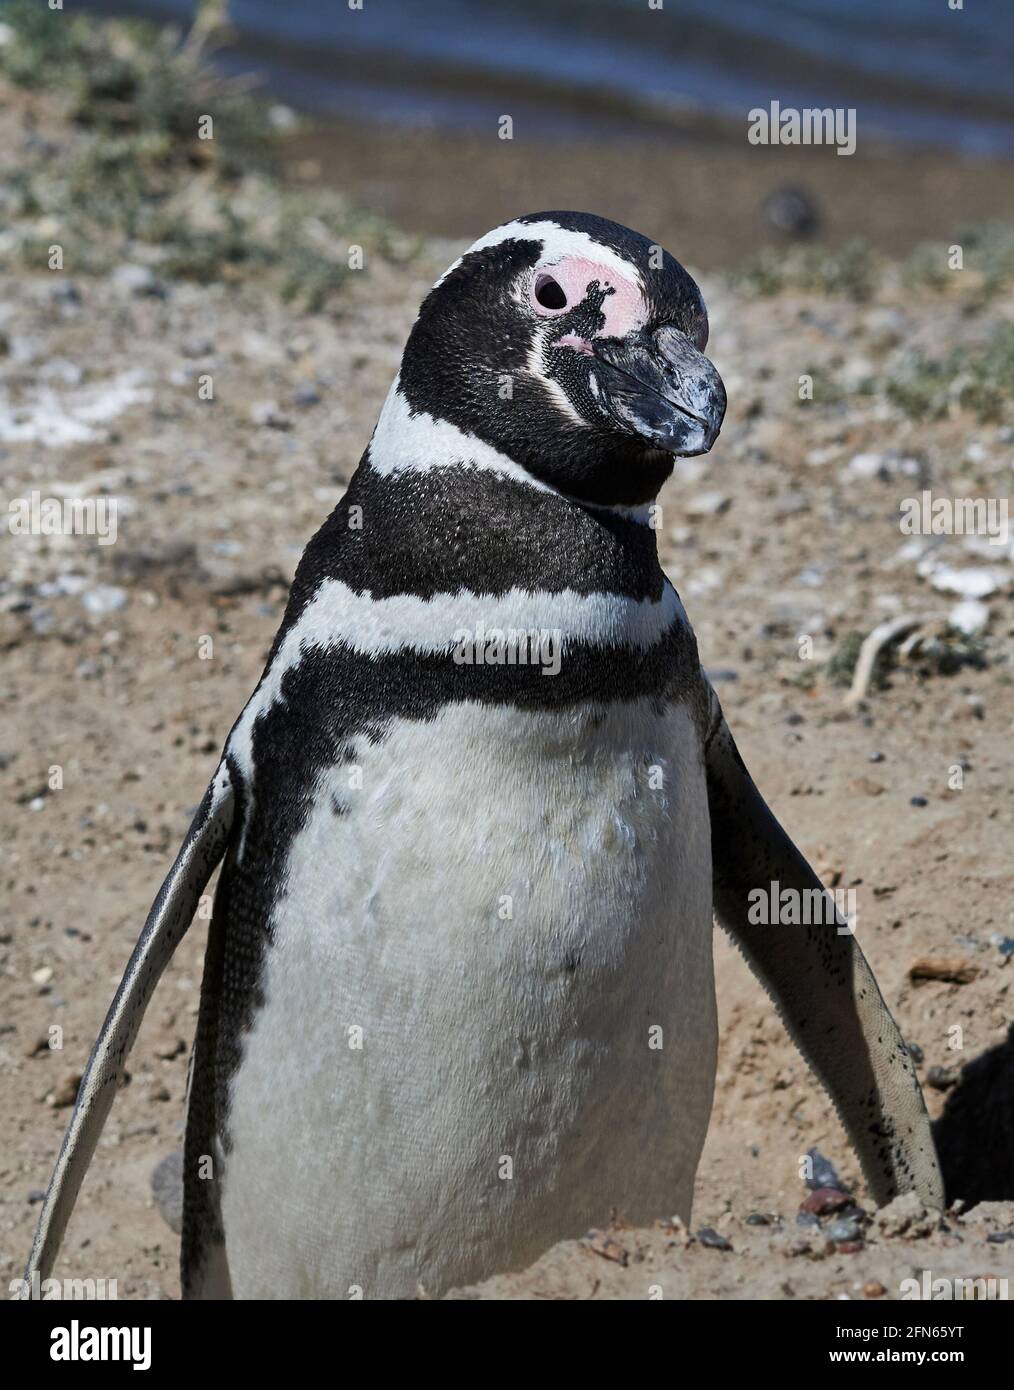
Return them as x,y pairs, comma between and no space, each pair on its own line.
104,598
824,1200
975,583
845,1229
953,970
941,1078
709,1237
708,504
970,617
64,1093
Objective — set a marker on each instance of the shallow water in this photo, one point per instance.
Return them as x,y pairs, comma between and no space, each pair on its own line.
913,69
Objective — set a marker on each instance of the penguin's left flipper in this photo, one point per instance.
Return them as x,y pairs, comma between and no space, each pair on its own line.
168,920
819,981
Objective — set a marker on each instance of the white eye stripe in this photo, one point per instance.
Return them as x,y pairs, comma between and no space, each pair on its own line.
557,243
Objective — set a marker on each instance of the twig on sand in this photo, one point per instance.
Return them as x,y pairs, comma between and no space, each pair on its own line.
882,636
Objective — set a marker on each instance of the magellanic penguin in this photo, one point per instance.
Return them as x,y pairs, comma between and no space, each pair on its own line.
458,999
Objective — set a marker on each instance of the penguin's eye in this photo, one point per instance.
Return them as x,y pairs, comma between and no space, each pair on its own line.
549,293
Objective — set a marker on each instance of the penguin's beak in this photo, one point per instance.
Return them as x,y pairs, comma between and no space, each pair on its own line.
658,385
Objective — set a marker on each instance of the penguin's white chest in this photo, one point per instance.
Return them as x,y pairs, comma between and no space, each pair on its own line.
488,1004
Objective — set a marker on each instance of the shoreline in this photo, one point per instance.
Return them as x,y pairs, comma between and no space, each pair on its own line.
699,187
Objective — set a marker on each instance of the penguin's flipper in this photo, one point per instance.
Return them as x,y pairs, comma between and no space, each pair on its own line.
819,981
167,922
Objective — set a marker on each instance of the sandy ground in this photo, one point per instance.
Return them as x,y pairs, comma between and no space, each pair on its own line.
699,188
786,530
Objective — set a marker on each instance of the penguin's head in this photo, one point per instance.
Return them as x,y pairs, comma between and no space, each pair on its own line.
575,347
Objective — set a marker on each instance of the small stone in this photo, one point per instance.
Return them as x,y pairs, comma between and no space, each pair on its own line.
916,1053
876,757
104,598
675,1229
791,504
813,1246
268,415
824,1174
709,1237
941,1078
306,396
283,118
873,1288
868,465
603,1244
65,292
974,706
906,1216
758,1218
824,1200
169,1046
917,801
708,504
136,280
970,617
866,786
954,970
37,1194
843,1230
43,621
64,1093
791,211
813,577
886,326
976,583
43,975
167,1189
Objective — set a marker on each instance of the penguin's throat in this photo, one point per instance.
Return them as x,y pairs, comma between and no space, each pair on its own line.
607,472
463,527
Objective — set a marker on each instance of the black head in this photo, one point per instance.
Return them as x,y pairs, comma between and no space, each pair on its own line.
575,347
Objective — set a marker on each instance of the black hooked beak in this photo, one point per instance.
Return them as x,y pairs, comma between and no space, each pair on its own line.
659,386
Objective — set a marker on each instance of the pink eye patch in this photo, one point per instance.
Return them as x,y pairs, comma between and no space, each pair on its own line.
556,289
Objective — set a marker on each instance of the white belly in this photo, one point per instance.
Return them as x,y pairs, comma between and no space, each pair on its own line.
510,906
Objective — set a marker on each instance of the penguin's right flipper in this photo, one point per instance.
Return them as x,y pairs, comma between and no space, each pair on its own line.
820,982
168,920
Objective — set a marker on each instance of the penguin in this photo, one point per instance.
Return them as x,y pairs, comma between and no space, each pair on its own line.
476,822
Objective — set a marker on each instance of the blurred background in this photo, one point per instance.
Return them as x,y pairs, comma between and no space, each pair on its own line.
640,113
